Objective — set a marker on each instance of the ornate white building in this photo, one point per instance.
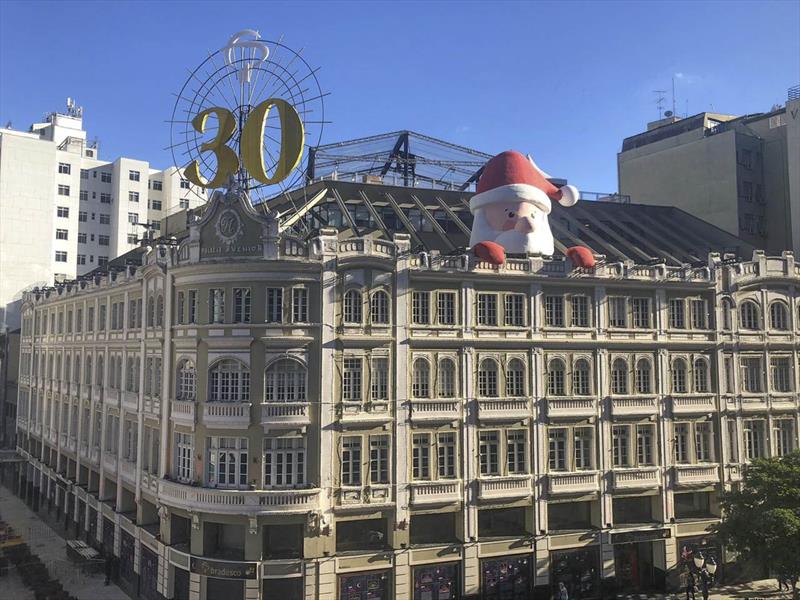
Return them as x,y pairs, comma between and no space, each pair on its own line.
366,412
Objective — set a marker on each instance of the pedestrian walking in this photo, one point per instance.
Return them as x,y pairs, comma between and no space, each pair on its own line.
108,566
690,586
563,594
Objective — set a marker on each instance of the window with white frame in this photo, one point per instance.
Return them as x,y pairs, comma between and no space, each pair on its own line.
640,308
748,315
446,308
554,311
184,446
516,451
489,452
555,377
447,454
677,313
487,310
570,448
515,310
241,305
64,168
754,438
216,305
351,379
353,307
515,378
619,376
284,461
679,378
379,379
186,381
274,305
229,381
227,462
682,442
778,316
727,310
502,452
557,453
781,369
699,313
379,308
703,442
581,380
421,456
488,379
379,459
420,308
693,442
784,436
179,310
620,445
351,460
192,307
701,376
751,374
285,381
446,379
421,378
299,305
579,307
644,376
134,175
645,444
617,312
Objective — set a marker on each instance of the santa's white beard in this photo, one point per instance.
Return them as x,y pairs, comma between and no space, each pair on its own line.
539,241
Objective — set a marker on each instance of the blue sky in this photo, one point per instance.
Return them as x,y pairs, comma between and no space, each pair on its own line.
563,81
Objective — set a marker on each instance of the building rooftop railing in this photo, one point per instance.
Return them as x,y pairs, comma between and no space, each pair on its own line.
793,93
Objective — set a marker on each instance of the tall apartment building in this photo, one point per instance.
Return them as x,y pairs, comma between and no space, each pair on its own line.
366,412
64,211
739,173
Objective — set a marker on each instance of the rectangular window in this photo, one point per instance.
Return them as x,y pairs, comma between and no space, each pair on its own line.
133,175
617,312
583,447
84,174
133,218
751,374
516,451
227,462
105,176
157,185
644,444
421,456
62,234
63,212
487,310
241,305
105,219
351,380
557,440
184,446
61,256
183,203
489,451
81,259
184,184
784,436
351,460
284,462
781,374
677,313
580,311
274,305
83,195
63,190
641,312
446,447
702,442
379,459
105,198
132,239
81,238
299,305
82,217
554,311
421,308
101,318
64,168
191,309
179,309
216,305
699,314
154,204
621,445
515,310
133,196
379,379
103,240
754,439
446,308
682,443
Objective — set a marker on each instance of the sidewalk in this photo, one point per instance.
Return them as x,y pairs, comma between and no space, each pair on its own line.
51,548
754,590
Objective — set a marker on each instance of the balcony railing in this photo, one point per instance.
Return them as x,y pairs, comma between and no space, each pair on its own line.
573,483
637,478
504,488
183,412
623,407
495,409
754,403
435,410
687,405
226,415
370,413
236,501
358,496
435,492
696,475
571,407
285,414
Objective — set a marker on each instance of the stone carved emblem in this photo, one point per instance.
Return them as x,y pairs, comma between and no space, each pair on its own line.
229,226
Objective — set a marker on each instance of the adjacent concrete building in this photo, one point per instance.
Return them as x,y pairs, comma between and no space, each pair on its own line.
64,211
739,173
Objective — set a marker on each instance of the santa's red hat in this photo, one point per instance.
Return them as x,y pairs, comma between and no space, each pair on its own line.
513,176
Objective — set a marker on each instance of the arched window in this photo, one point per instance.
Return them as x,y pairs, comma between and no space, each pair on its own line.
99,373
700,375
619,377
285,381
379,308
352,307
229,381
679,376
727,322
151,311
515,378
87,375
160,311
555,377
447,378
487,379
581,384
644,377
778,316
421,381
186,381
748,315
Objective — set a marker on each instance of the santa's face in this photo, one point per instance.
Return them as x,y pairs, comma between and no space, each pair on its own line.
520,227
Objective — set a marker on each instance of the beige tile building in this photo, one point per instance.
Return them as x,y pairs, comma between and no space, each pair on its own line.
366,412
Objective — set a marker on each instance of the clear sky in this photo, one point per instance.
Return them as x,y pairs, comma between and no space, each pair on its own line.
563,81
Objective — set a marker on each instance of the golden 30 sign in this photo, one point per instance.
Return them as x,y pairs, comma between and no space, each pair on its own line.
247,111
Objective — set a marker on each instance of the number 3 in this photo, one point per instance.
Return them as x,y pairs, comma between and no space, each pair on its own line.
251,146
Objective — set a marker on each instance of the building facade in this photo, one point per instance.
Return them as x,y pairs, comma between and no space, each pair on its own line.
249,413
64,211
741,174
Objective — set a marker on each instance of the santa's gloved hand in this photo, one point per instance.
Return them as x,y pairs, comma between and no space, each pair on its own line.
491,252
581,256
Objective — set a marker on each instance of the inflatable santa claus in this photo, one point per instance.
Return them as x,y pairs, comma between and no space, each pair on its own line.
510,209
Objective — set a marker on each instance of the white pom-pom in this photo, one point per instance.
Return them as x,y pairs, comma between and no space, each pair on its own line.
569,195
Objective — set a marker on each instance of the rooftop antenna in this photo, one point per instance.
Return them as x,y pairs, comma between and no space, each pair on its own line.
660,98
673,95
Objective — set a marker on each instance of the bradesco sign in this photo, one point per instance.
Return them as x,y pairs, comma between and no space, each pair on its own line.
222,569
